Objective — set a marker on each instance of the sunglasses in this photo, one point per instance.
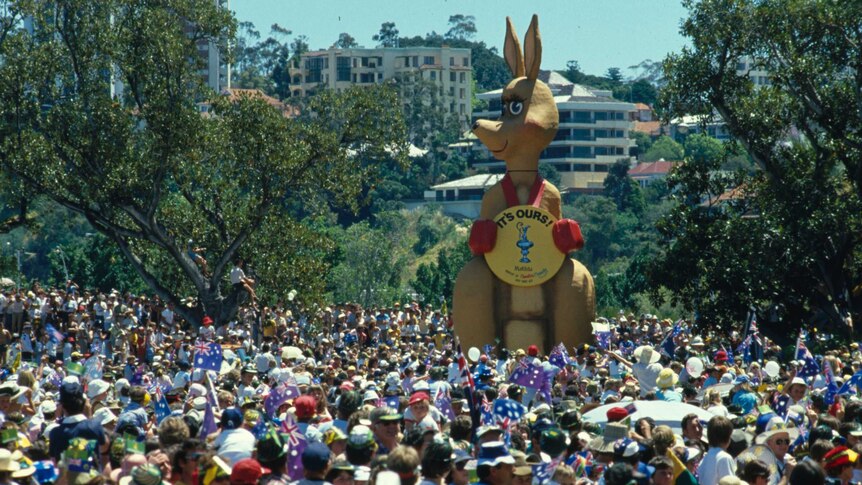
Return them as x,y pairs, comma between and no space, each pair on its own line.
782,442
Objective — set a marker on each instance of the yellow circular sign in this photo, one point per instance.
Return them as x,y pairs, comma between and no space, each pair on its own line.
525,254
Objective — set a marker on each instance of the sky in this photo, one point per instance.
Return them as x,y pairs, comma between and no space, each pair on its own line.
597,33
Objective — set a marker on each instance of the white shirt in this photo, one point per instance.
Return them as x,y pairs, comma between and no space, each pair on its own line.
168,316
235,444
236,275
714,466
646,375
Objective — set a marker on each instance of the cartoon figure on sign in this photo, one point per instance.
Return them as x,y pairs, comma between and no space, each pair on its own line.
523,243
522,290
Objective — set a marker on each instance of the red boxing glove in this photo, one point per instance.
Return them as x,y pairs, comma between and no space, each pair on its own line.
567,236
483,236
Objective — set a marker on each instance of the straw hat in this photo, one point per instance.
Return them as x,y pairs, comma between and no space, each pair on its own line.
612,433
645,354
666,379
9,460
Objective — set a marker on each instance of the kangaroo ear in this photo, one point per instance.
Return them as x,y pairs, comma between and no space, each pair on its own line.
512,51
533,49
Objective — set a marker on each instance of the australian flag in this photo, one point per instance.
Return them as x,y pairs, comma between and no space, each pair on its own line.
160,404
209,425
394,402
443,403
668,346
487,411
602,332
810,366
559,356
53,333
852,383
296,443
542,473
751,347
780,406
831,386
467,383
528,374
208,355
279,395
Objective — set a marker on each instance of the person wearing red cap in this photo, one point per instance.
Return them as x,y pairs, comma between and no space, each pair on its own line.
720,357
207,331
533,351
616,414
304,409
839,464
246,472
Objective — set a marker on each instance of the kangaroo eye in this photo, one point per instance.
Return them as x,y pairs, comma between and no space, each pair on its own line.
515,107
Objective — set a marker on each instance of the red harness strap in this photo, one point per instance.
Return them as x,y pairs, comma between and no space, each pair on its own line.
511,194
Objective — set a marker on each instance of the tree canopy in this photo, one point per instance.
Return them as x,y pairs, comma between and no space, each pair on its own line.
788,235
157,177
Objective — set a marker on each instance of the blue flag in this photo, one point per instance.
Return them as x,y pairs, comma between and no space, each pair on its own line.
160,403
560,356
831,386
810,367
780,406
260,429
53,333
209,425
851,384
279,395
528,374
443,403
392,402
208,355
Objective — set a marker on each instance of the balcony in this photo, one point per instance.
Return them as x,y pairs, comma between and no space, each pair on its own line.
614,124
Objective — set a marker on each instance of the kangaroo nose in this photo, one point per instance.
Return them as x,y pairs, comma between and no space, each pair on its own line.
475,124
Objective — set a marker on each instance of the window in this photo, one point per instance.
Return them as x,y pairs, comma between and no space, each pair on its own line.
601,133
451,107
582,167
466,62
619,151
582,152
451,77
556,152
342,69
740,66
582,135
415,61
452,91
461,93
602,151
452,62
601,116
428,61
463,77
463,108
581,117
433,75
600,168
379,76
561,135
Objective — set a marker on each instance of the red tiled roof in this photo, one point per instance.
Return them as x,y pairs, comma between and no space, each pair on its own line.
649,127
235,94
651,168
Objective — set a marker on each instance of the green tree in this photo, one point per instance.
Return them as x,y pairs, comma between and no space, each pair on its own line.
643,140
664,148
150,173
377,280
550,173
462,27
790,235
614,75
388,35
642,91
623,189
434,281
345,41
573,72
699,148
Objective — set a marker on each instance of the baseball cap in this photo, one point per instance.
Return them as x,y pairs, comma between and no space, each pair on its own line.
625,448
305,406
384,414
360,436
246,472
418,397
231,418
315,457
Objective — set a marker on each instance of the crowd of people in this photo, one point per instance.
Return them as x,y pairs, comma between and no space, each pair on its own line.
118,388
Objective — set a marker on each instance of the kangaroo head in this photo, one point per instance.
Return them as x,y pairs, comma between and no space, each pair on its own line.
530,118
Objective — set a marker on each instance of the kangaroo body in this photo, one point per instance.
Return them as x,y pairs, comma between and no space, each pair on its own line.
484,307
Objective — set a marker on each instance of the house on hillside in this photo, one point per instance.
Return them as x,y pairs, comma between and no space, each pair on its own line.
459,198
648,172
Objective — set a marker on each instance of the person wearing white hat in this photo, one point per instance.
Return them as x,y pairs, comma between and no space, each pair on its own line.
97,390
646,369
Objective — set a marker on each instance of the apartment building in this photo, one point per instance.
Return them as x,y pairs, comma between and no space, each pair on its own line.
338,69
593,133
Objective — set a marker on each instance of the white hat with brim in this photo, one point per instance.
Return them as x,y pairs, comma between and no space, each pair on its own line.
645,354
666,379
9,460
776,426
612,433
493,453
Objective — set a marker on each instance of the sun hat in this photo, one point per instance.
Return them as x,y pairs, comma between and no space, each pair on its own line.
612,433
522,469
697,341
104,416
143,475
666,379
774,426
96,387
838,457
8,460
370,396
493,453
742,379
246,472
645,354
